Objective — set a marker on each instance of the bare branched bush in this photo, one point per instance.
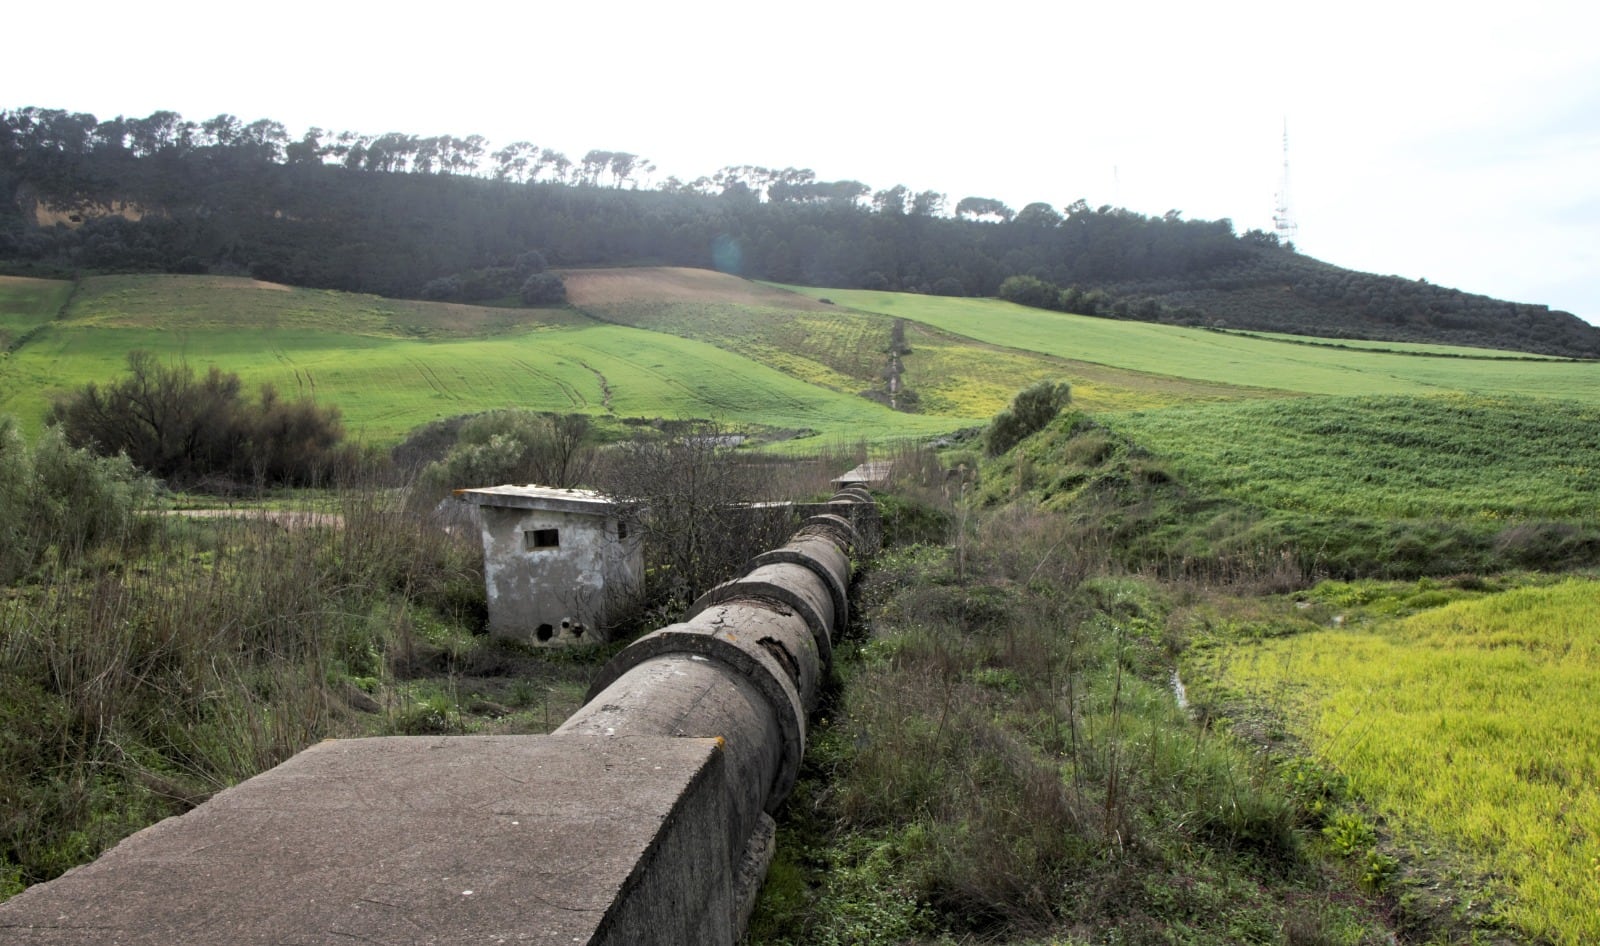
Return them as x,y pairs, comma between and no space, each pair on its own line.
697,506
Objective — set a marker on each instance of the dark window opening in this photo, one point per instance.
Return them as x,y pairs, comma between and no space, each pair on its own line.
541,539
622,530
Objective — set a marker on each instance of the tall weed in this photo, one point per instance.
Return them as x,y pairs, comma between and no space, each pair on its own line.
57,500
1007,743
133,687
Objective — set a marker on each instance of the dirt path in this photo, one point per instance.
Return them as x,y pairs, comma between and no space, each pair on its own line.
605,386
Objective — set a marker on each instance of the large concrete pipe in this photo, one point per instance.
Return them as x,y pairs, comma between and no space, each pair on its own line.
643,819
771,601
772,630
745,667
826,559
681,692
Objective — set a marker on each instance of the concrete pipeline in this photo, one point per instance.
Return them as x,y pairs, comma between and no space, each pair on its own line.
745,668
645,818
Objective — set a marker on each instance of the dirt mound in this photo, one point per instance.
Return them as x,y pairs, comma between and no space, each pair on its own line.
602,287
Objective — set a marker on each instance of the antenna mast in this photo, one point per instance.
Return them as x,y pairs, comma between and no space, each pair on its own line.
1283,222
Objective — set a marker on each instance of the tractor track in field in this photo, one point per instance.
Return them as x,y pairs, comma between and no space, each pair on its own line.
574,396
434,381
605,386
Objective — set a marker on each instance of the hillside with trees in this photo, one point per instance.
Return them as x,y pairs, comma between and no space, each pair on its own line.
456,219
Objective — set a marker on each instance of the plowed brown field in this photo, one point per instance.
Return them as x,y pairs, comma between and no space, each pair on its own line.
600,287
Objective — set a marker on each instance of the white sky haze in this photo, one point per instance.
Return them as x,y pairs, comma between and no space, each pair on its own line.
1454,142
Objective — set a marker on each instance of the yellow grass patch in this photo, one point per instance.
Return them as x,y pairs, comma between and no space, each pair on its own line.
1473,723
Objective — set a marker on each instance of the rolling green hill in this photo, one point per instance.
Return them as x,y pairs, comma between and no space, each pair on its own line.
439,217
1202,355
680,343
391,366
27,304
846,349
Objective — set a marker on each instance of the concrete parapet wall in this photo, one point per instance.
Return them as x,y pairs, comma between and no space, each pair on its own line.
422,840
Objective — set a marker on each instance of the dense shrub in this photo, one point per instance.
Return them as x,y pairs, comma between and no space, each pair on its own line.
443,289
204,431
1033,408
543,289
1030,291
516,446
57,498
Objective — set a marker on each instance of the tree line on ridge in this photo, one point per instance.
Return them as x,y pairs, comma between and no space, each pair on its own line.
412,216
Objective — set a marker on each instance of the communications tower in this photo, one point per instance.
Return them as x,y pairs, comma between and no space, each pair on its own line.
1283,222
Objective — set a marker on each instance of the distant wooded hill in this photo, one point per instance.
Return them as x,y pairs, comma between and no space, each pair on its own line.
446,218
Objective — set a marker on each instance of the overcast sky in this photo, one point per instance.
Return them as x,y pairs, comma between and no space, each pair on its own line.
1428,140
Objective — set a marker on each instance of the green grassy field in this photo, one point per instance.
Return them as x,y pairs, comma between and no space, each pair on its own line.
1223,358
26,304
1304,439
391,366
182,304
1450,456
957,375
1470,723
1409,348
1463,724
386,387
685,343
847,350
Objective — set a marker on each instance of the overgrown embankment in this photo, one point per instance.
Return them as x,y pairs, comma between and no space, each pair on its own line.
148,661
1008,759
1324,487
145,671
1005,762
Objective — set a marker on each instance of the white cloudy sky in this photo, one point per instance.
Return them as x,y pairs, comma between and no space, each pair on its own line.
1457,142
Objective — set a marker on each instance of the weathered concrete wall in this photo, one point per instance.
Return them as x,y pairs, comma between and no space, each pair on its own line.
421,840
644,819
558,564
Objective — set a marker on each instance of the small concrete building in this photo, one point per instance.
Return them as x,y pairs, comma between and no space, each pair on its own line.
560,565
